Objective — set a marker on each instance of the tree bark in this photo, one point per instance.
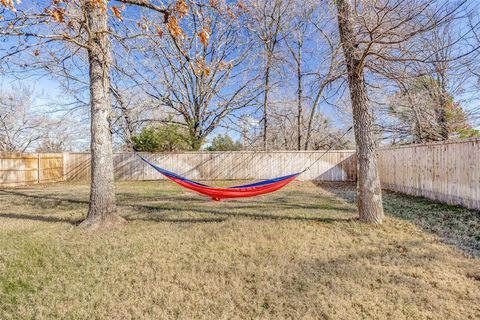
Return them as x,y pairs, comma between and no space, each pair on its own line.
195,136
128,130
299,97
102,208
442,114
312,116
265,102
442,94
369,192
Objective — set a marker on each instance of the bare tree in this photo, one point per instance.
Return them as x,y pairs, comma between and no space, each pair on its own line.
414,111
28,123
323,133
21,123
267,18
369,191
198,72
82,24
79,26
432,93
63,134
315,60
376,30
82,27
133,109
448,59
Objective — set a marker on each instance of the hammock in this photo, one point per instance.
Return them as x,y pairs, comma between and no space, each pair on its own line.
218,193
242,191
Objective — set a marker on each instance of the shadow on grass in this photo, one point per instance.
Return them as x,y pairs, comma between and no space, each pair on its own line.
192,206
453,224
75,222
34,217
295,206
43,197
402,257
196,207
173,220
251,215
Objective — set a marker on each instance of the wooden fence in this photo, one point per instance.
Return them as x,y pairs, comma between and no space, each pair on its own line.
246,165
26,169
448,172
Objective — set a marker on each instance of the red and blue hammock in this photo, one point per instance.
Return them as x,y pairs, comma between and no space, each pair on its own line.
243,191
217,193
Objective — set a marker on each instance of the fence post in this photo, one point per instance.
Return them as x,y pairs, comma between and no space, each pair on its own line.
38,168
64,170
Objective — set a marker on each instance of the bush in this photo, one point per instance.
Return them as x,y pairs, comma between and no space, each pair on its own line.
169,137
224,143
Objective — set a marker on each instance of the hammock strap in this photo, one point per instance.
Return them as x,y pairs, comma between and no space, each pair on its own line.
326,151
174,175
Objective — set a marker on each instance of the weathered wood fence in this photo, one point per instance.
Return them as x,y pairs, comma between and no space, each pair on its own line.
243,165
447,172
26,169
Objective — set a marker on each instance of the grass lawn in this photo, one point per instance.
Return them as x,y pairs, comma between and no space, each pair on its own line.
298,253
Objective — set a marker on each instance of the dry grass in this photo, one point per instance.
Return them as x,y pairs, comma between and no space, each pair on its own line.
455,225
293,254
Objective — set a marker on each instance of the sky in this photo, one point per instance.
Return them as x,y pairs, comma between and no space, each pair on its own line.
50,91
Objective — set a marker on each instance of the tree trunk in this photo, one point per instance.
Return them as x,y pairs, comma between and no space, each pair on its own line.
443,102
196,142
418,131
265,102
369,192
102,209
442,115
299,97
312,116
128,130
195,136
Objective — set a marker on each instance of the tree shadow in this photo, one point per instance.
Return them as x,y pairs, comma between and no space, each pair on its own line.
251,215
454,225
175,220
42,218
344,190
43,197
296,206
193,206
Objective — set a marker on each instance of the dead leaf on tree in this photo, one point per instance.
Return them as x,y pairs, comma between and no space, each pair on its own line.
8,4
174,27
181,7
100,3
204,36
117,12
159,31
57,14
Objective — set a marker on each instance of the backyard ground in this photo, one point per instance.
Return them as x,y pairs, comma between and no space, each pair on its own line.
298,253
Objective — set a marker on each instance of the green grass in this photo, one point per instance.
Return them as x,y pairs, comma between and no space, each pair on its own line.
297,253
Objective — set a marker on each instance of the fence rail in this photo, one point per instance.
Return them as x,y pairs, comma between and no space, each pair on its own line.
447,172
26,169
333,166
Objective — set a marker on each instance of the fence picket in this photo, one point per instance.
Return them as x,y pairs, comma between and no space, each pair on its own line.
447,172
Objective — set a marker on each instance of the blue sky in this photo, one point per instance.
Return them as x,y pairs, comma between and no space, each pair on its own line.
51,92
